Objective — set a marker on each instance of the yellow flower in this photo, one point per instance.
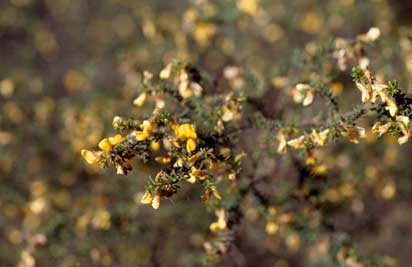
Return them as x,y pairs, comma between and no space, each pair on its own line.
297,142
107,144
248,6
140,100
203,32
155,145
353,133
117,139
319,138
220,224
185,131
147,198
116,121
378,90
403,124
303,93
91,156
216,193
140,136
191,179
156,202
198,174
282,147
380,128
271,228
391,107
163,160
366,91
165,73
190,145
146,127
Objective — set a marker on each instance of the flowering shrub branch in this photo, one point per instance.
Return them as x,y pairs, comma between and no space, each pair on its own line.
195,132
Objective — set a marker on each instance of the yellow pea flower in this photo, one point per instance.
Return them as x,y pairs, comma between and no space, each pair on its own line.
391,107
91,156
105,145
319,138
140,136
155,145
271,228
220,224
380,128
147,198
163,160
191,179
190,145
165,73
156,202
140,100
297,142
117,139
186,131
403,124
146,127
353,133
282,147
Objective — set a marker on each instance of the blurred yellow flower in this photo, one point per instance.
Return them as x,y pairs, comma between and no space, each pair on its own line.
140,100
91,156
220,224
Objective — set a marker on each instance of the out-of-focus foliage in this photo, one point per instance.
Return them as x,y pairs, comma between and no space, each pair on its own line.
265,76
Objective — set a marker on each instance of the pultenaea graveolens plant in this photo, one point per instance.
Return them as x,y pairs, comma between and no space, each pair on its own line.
200,134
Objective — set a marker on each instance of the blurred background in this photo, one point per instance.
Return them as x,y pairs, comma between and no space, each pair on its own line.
68,66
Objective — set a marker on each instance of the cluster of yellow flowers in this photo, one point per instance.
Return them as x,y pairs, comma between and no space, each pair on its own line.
371,91
347,51
166,141
186,85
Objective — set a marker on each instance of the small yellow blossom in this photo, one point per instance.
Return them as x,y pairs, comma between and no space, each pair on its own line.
147,76
190,145
185,131
271,228
303,93
248,6
163,160
403,124
91,156
140,100
319,138
165,73
155,145
191,179
366,91
156,202
107,144
116,121
147,198
146,127
203,32
220,224
353,133
380,128
115,139
281,137
391,107
297,142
